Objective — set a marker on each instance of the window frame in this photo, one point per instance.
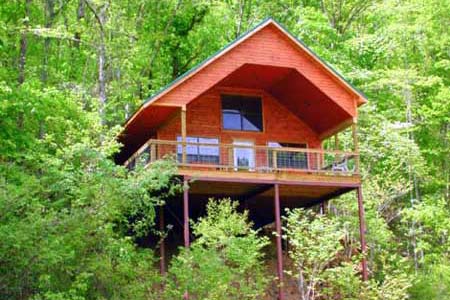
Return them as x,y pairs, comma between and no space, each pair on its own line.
198,156
242,113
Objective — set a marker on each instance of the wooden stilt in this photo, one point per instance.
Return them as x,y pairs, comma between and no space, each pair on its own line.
186,212
336,142
183,134
362,234
279,248
186,220
355,145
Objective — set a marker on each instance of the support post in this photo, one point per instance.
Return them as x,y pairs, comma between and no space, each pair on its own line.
274,160
355,145
336,141
186,220
230,157
336,147
279,248
318,157
186,212
362,234
183,134
162,246
152,152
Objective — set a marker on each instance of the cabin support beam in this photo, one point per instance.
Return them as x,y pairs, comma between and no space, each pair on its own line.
186,220
186,212
336,141
355,137
183,134
362,234
162,246
355,145
279,248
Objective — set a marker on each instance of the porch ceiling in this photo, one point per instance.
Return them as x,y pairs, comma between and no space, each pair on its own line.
298,195
141,130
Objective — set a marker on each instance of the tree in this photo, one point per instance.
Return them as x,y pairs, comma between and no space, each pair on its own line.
315,242
324,268
225,261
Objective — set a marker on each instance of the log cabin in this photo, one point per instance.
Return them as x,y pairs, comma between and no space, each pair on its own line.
249,123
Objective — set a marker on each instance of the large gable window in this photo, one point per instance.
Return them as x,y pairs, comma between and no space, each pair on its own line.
242,113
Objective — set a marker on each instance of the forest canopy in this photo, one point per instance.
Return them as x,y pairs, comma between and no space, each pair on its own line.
72,71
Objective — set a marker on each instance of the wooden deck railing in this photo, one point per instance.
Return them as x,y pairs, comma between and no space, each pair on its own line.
233,158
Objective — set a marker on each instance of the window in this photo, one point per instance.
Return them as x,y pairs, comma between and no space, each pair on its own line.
199,153
244,157
288,159
242,113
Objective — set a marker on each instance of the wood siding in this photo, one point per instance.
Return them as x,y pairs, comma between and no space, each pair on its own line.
204,119
268,47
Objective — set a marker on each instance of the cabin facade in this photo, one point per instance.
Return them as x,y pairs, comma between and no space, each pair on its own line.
250,123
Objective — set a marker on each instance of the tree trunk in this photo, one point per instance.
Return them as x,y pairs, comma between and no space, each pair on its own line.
102,76
23,57
100,14
80,15
49,16
24,44
241,18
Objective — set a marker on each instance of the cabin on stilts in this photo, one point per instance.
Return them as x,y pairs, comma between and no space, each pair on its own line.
250,123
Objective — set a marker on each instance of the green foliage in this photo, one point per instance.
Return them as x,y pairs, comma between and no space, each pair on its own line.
225,261
69,217
64,225
433,282
325,264
315,241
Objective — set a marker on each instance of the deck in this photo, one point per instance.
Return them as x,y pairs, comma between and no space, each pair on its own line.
247,173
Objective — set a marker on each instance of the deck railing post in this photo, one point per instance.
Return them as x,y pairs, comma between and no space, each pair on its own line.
186,212
274,160
362,234
355,145
230,157
183,134
336,141
278,239
186,220
318,167
152,152
336,147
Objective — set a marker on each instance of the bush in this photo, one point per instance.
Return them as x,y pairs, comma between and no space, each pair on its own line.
224,262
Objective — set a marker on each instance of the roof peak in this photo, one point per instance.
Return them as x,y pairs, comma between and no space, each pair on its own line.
262,24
